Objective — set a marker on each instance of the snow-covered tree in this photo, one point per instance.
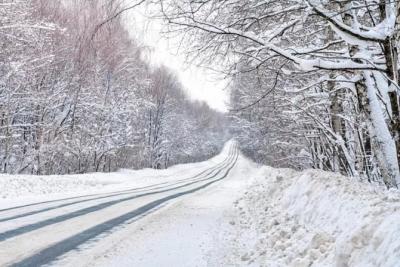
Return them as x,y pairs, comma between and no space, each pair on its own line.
332,63
77,96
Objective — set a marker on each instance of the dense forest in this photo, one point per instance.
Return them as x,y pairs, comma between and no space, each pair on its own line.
77,96
314,83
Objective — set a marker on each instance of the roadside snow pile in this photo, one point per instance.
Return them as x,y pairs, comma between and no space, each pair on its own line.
315,218
13,186
17,186
21,186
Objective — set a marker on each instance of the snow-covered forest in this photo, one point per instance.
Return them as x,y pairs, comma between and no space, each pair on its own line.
314,83
200,133
77,96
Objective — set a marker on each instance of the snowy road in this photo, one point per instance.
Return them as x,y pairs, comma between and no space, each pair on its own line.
42,233
226,211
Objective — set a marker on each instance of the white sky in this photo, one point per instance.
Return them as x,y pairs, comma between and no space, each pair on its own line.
201,84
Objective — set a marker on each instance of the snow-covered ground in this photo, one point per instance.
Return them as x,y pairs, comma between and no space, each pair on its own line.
184,233
22,186
23,189
75,226
314,218
227,211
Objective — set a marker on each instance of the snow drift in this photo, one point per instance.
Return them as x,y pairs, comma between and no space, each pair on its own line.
30,187
316,218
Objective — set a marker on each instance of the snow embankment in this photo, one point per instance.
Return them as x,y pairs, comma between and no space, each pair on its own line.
17,186
27,186
315,218
32,187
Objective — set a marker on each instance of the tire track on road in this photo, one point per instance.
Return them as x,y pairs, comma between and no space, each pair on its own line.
208,171
51,253
62,218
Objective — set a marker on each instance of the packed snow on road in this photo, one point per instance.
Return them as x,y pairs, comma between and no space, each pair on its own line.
227,211
200,133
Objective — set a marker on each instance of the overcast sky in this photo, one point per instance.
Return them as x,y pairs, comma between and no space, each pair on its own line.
200,83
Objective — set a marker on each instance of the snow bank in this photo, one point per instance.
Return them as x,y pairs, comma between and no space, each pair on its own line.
32,187
315,218
15,186
26,186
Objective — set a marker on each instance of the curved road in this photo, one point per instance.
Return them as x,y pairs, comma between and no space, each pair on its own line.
38,234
